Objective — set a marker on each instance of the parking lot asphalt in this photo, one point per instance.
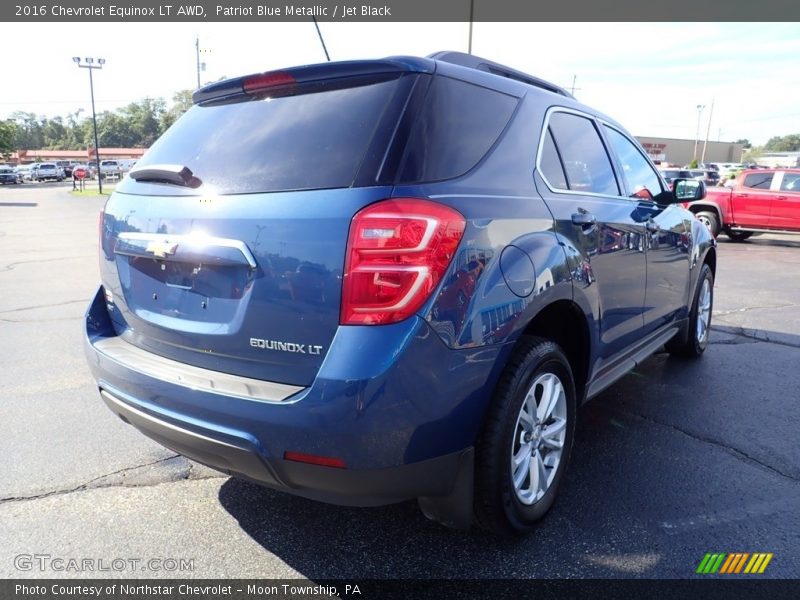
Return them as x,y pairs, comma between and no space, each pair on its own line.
678,459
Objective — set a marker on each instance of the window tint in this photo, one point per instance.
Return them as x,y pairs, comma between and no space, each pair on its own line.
587,166
457,126
551,166
791,182
306,141
637,171
760,181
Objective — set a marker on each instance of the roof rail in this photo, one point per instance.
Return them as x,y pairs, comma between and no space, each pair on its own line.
481,64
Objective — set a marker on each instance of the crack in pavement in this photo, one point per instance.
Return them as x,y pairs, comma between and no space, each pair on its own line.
53,320
12,310
736,311
735,452
10,266
96,482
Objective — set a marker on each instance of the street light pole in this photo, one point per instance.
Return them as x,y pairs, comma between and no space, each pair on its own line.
88,63
197,55
700,108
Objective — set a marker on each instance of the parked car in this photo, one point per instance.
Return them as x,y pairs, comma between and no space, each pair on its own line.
670,175
708,176
9,175
399,280
110,169
759,200
45,171
725,170
65,166
24,172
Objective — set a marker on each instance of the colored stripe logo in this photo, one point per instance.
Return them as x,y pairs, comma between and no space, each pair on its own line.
732,563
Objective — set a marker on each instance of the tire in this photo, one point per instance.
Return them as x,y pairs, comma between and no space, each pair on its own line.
694,342
533,372
710,220
738,236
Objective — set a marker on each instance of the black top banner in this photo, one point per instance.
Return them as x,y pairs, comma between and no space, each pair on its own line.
399,10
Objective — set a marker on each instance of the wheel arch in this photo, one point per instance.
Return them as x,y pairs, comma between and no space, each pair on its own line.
703,206
565,323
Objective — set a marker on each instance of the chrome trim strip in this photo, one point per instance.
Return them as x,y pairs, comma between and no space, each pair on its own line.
191,240
191,377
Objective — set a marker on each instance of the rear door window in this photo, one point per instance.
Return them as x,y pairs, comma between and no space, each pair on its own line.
759,181
551,166
586,164
791,182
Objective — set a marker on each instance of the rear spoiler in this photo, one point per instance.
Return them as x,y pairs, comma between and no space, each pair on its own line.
286,81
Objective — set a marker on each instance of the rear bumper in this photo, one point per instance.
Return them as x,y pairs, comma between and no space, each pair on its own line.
404,429
434,477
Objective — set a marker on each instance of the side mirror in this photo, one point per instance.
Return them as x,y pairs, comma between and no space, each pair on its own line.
688,190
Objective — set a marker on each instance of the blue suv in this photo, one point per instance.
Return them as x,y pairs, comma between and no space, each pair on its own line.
372,281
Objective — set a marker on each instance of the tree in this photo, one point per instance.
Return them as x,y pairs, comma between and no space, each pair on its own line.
752,155
744,142
8,134
786,143
181,102
28,131
143,120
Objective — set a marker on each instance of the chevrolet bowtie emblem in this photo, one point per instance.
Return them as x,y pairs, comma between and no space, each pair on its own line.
161,249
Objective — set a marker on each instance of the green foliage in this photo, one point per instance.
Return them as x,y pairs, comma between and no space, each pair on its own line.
8,130
752,155
137,125
786,143
693,164
744,142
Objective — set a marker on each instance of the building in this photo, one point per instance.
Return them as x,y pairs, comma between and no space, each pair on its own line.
24,157
780,159
681,152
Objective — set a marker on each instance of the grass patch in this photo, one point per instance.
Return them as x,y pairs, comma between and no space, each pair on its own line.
92,190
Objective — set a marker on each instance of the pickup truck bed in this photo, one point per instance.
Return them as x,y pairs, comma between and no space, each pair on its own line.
762,200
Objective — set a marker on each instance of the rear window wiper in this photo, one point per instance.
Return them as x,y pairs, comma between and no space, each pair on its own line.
172,174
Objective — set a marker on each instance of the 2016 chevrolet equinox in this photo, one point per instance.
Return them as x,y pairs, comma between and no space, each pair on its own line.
365,282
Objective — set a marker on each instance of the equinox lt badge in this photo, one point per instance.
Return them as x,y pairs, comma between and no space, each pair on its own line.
285,346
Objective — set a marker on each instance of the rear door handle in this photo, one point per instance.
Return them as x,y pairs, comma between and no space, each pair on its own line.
583,218
185,248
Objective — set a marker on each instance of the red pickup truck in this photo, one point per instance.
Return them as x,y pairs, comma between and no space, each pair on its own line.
762,200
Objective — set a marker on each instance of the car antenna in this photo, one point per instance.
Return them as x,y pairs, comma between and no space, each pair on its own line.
322,41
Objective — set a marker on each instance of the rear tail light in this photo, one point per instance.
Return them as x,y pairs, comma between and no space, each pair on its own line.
397,252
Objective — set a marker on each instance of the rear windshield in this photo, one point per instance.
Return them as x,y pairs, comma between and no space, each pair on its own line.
308,141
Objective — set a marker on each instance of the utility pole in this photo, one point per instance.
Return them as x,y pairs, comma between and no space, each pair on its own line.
574,79
708,131
197,54
471,16
700,108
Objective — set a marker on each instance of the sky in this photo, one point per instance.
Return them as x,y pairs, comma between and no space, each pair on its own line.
650,77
